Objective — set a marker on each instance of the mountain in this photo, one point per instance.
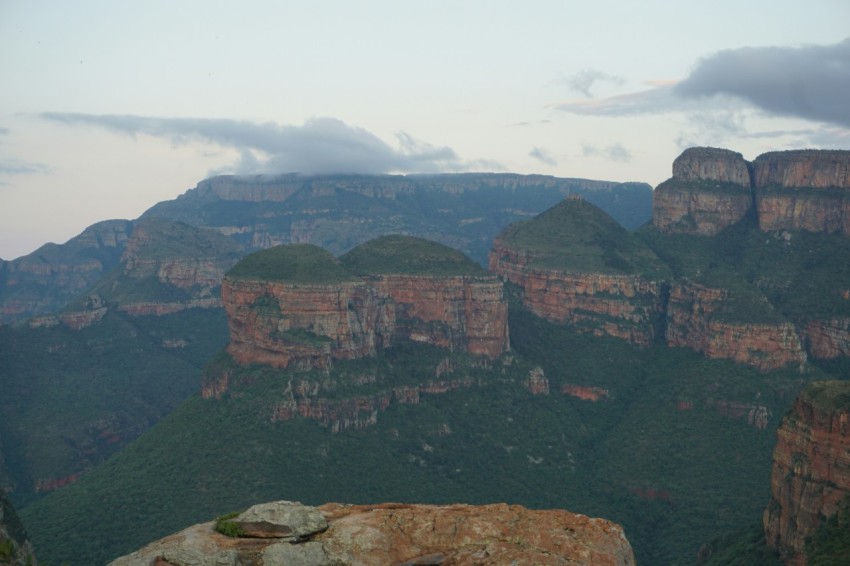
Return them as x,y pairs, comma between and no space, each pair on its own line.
81,383
336,212
645,375
286,533
53,275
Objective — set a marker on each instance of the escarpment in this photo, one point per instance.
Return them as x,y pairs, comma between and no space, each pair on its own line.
298,305
712,189
15,546
717,294
696,319
709,191
576,265
811,467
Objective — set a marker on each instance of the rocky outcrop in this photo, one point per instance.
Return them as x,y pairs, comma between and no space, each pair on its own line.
811,467
585,392
828,338
281,324
791,190
694,321
711,164
15,547
623,306
394,533
709,190
807,168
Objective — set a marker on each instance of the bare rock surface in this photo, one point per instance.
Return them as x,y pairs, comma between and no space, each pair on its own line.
394,533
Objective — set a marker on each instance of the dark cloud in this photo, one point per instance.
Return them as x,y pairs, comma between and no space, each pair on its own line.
584,80
321,145
613,152
543,156
810,82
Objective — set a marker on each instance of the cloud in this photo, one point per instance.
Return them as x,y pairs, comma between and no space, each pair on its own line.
809,82
4,131
543,156
583,81
320,145
613,152
13,166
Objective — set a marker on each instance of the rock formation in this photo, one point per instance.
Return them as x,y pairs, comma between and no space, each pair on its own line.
811,467
693,321
709,191
340,315
334,534
791,190
574,265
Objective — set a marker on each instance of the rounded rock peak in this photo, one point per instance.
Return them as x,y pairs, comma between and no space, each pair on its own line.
712,164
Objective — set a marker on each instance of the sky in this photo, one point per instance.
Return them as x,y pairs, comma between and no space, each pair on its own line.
108,107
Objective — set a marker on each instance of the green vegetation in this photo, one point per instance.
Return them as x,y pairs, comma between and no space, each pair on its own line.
828,395
636,456
72,398
704,186
296,263
746,547
408,255
576,236
830,543
227,527
771,276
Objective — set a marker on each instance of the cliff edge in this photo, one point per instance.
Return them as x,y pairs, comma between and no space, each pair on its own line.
811,467
289,533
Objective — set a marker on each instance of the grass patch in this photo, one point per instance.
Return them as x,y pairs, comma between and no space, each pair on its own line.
408,255
296,263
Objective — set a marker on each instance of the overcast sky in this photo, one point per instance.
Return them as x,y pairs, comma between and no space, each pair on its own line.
107,107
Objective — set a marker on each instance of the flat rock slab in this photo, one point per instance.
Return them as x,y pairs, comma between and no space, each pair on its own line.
285,520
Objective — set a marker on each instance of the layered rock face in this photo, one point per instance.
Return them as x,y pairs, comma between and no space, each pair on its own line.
791,190
811,467
298,304
820,199
278,323
807,168
392,533
623,306
709,191
341,321
692,322
829,338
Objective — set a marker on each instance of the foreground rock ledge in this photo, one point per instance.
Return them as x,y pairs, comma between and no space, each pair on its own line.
393,533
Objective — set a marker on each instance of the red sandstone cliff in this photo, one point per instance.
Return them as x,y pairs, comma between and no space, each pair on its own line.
791,190
623,306
709,190
811,467
279,323
693,322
